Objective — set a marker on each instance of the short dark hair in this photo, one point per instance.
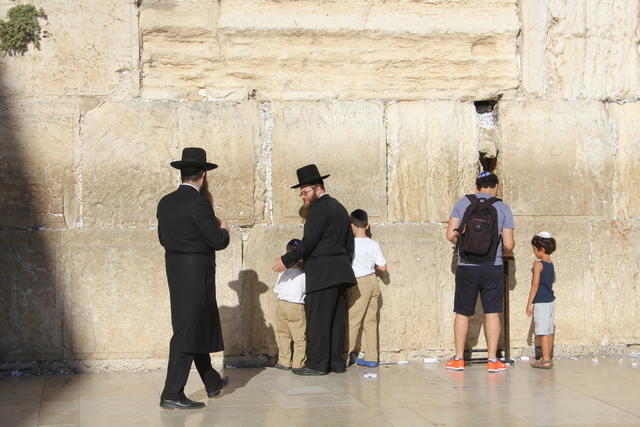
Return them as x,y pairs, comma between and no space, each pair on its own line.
191,174
489,181
360,224
547,244
303,212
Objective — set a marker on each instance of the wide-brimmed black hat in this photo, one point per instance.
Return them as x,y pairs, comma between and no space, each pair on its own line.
193,157
308,175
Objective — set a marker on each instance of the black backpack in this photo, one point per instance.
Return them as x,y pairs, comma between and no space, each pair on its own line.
479,235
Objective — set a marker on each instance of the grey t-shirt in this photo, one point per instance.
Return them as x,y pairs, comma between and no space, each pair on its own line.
505,220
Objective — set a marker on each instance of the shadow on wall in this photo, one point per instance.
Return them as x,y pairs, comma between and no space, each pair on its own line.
32,220
252,340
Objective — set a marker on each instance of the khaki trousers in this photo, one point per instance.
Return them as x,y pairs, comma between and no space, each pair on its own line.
363,302
291,325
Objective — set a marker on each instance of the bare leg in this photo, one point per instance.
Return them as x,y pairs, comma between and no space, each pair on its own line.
492,332
460,329
545,342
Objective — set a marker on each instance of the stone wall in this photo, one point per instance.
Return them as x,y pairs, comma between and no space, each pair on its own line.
384,95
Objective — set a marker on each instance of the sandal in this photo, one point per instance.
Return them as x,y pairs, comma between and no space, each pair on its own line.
542,364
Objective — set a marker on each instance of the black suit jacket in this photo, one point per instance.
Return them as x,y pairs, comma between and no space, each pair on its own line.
327,246
187,224
190,233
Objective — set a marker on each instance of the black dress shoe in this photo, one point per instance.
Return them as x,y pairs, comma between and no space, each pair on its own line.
308,371
282,367
351,360
180,404
216,391
339,370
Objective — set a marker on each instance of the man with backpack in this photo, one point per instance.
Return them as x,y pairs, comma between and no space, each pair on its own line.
481,226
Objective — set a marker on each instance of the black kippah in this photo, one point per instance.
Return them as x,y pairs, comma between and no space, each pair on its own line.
360,215
294,243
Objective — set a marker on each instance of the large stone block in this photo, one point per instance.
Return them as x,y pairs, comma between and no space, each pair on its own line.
556,158
37,163
343,138
228,293
580,48
116,300
178,47
573,286
258,303
91,48
231,134
534,15
433,158
417,301
627,128
30,299
116,297
127,148
615,272
125,153
318,50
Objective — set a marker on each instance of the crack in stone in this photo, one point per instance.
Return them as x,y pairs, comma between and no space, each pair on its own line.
264,163
488,135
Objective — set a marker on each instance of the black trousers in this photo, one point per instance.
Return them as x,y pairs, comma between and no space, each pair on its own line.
326,316
178,372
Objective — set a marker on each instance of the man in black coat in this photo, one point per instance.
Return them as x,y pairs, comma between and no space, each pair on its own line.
327,251
190,234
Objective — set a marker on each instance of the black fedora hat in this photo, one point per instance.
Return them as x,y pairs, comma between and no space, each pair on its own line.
308,175
193,157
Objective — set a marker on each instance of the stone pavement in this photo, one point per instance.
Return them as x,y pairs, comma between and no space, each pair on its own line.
574,392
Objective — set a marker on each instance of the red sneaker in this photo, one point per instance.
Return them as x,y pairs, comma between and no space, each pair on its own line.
496,366
456,365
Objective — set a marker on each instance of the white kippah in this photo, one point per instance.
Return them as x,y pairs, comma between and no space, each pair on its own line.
545,235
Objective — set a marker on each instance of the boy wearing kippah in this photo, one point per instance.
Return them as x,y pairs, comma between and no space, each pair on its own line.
541,303
363,299
291,323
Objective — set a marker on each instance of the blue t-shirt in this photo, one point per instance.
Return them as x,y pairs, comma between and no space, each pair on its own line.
545,288
505,220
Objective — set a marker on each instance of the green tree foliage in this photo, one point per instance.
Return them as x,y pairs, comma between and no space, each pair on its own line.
21,28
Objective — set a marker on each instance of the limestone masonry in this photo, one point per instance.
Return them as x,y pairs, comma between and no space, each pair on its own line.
383,95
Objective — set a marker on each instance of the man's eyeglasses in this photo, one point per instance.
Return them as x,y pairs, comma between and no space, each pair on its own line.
305,192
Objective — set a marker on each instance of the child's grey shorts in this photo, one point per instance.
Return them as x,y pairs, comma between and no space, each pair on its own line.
544,315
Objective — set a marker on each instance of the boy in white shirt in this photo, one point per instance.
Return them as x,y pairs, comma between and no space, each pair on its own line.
291,323
363,299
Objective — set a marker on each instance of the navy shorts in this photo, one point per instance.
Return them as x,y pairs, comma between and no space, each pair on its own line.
486,279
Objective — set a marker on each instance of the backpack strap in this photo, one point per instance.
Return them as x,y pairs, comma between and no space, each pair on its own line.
491,201
474,201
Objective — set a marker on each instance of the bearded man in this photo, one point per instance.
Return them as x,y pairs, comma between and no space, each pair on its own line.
190,233
327,252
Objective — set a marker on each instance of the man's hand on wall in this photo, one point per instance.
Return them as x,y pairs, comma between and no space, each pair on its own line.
278,267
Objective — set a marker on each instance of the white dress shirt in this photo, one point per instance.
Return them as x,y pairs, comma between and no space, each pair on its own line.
367,255
291,285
